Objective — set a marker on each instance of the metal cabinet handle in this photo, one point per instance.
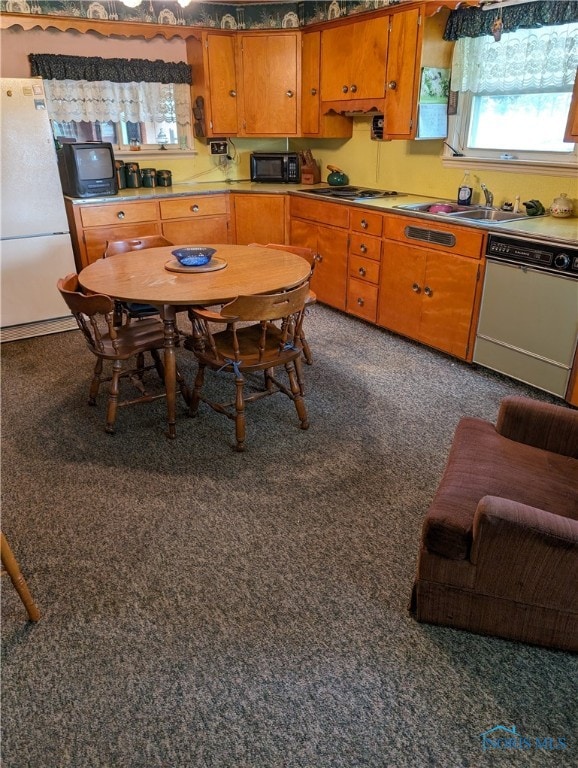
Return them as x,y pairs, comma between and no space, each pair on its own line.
194,208
314,91
415,288
290,94
344,89
364,224
353,88
232,92
363,248
362,271
120,215
392,85
428,291
360,301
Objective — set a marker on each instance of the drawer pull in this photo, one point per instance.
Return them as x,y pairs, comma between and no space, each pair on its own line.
362,271
415,288
194,208
232,93
428,291
314,91
120,215
345,89
364,224
392,85
289,94
353,88
363,248
360,301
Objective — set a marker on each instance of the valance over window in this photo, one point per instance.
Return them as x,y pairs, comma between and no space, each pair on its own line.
93,89
475,22
526,61
94,68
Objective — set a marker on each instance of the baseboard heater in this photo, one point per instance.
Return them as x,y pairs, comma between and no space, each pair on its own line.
40,328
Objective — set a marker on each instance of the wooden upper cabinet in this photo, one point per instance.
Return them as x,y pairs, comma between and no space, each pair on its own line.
212,59
402,76
269,75
353,60
571,133
313,122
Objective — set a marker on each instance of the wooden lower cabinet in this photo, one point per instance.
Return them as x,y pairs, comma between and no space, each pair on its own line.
93,225
259,218
330,277
196,219
429,296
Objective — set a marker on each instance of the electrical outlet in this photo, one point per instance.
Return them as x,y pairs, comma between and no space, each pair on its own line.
218,147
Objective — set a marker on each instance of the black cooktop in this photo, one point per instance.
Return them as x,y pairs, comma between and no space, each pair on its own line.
352,193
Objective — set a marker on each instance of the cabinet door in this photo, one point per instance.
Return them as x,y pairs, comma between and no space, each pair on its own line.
95,239
330,276
353,58
222,84
402,66
310,86
401,288
269,83
259,218
571,133
212,229
449,291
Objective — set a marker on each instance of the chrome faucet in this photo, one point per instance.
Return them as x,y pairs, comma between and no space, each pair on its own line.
488,195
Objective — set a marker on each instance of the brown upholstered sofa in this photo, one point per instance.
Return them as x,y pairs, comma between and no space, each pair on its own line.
499,547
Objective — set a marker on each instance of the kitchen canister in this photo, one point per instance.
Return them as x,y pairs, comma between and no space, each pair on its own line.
164,178
149,177
120,174
561,207
133,177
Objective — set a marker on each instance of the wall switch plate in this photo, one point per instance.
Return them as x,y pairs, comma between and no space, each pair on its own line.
218,147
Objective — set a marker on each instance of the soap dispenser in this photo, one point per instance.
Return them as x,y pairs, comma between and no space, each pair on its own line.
465,190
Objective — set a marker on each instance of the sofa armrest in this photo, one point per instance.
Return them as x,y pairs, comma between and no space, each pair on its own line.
525,553
542,425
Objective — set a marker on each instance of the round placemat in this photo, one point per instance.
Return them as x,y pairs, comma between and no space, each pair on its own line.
214,264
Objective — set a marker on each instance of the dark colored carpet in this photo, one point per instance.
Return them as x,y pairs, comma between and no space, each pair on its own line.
213,609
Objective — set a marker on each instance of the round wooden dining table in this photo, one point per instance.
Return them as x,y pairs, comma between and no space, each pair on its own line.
149,276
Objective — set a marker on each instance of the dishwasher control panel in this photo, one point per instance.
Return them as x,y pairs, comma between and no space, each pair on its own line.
560,258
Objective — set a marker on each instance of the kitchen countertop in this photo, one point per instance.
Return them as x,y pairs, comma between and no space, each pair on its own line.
541,227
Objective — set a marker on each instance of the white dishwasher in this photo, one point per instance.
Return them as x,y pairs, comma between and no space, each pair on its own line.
528,324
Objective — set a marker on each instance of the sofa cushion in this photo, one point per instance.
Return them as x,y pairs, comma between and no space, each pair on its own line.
483,463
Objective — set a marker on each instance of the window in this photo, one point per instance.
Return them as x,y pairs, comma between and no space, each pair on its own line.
514,95
117,100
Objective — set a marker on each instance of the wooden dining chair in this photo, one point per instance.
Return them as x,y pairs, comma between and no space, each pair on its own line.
131,310
309,255
11,567
250,341
94,315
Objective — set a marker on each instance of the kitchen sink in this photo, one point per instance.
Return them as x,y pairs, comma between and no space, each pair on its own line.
487,214
478,213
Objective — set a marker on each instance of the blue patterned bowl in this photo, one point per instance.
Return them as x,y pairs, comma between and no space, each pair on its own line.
194,256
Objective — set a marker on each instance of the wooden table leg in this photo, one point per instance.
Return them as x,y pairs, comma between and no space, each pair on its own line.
168,315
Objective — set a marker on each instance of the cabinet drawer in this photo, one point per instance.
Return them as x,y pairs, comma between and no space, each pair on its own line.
325,213
117,213
201,205
431,234
362,299
369,247
363,269
365,221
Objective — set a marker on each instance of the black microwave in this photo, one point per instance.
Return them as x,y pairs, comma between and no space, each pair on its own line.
280,167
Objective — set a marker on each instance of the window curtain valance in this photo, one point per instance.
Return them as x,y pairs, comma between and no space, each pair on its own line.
475,22
526,61
50,66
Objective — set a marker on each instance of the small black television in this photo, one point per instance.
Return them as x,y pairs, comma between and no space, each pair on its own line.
87,169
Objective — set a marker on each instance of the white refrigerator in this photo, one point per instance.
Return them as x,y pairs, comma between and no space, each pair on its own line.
35,246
